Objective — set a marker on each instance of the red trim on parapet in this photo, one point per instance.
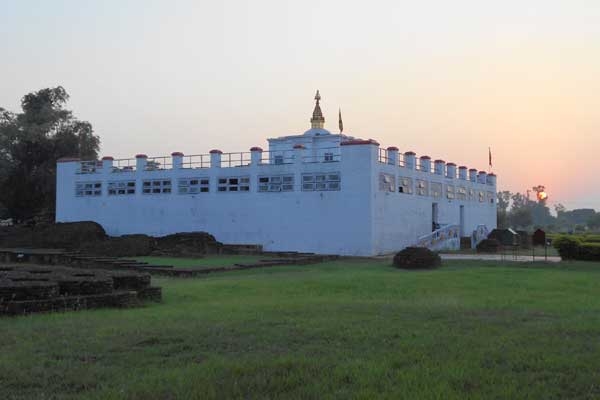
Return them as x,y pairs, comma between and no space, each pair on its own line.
358,141
410,153
392,148
107,158
483,172
425,158
255,148
473,169
492,174
67,159
462,167
215,151
177,154
439,161
450,164
141,156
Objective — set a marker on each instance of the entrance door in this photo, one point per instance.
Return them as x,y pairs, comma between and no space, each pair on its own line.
434,217
462,221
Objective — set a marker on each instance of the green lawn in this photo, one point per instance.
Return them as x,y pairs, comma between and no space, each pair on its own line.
343,330
204,262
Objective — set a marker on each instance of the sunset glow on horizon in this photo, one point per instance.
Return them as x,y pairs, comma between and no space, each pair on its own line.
446,79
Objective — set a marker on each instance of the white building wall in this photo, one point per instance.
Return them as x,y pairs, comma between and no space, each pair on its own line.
359,219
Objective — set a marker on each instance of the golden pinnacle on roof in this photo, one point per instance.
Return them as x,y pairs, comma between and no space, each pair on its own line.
317,121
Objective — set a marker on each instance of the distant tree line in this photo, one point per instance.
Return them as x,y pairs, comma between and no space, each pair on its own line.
516,210
30,144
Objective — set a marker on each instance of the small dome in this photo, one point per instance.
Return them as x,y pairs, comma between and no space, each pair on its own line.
317,132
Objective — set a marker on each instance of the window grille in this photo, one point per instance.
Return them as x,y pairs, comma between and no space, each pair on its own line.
461,193
472,194
490,196
193,185
120,188
450,193
276,183
156,186
88,189
387,182
422,188
321,181
234,184
405,185
436,189
328,157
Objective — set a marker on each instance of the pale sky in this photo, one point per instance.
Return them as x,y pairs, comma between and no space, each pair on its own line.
441,78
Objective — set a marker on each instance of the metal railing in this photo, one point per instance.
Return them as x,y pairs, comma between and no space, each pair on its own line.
196,161
444,238
124,165
235,159
158,163
89,167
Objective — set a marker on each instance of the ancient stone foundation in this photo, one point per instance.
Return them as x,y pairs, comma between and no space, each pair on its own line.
26,288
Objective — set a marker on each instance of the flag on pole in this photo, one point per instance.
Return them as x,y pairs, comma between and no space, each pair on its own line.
490,156
341,124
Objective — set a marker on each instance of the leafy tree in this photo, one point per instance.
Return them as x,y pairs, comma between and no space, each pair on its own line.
30,144
521,217
594,222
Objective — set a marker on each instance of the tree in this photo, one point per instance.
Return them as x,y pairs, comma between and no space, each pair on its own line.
30,144
594,222
502,211
521,217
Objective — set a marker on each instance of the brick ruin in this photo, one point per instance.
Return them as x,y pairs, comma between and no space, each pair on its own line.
26,288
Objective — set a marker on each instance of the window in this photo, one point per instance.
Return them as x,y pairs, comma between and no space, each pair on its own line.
471,194
436,189
328,157
481,196
405,185
321,181
277,183
387,182
279,159
234,184
450,194
461,193
422,188
156,186
88,189
193,185
119,188
490,196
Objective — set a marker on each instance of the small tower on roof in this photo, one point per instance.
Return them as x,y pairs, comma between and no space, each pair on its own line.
317,121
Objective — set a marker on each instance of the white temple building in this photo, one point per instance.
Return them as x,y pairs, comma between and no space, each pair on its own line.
313,192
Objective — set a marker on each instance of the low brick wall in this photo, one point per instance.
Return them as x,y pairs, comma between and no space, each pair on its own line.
26,288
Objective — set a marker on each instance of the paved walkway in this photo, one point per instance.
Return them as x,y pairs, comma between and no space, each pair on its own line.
499,257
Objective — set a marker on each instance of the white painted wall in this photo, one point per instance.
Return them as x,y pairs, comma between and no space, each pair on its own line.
359,219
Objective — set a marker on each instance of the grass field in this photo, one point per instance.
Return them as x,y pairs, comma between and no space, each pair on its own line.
344,330
204,262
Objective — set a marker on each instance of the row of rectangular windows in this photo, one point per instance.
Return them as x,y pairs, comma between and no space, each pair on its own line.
387,183
274,183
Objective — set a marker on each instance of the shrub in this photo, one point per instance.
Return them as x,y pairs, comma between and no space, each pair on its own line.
589,252
417,258
568,247
488,246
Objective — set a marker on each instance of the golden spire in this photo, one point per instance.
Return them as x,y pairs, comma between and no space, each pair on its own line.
317,121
